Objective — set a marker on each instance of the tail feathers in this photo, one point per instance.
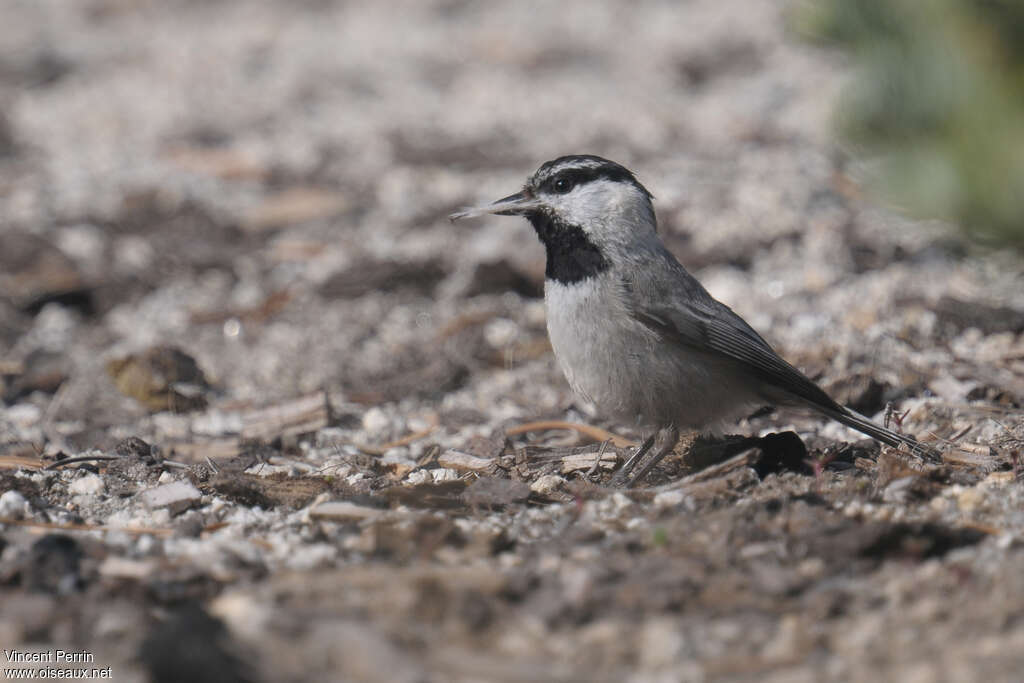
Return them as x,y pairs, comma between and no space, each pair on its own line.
862,424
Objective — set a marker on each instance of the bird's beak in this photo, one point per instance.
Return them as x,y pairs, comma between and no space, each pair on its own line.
513,205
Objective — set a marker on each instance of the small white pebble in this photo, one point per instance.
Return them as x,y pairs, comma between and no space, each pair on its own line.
637,523
343,511
89,485
375,421
176,496
500,332
243,614
145,545
13,505
811,568
548,484
23,414
668,499
418,477
620,501
313,556
660,644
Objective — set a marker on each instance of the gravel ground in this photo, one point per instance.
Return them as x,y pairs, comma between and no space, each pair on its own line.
268,416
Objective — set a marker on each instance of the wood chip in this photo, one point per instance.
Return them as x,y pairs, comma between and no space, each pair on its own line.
123,568
1000,478
747,458
302,415
977,449
464,462
970,455
221,162
344,511
721,487
295,250
11,367
294,205
33,270
15,462
269,492
199,451
585,461
488,491
55,526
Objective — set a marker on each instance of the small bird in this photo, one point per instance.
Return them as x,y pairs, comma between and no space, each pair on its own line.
637,335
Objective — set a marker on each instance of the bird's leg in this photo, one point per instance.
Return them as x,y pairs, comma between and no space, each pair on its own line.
641,451
668,437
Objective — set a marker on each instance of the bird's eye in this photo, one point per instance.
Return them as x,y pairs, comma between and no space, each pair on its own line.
562,185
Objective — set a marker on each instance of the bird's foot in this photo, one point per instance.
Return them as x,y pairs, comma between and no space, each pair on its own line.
620,477
666,439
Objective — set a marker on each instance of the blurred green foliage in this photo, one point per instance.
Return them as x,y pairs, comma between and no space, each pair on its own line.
938,100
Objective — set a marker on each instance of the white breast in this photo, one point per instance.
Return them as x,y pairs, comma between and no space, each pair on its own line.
628,371
599,346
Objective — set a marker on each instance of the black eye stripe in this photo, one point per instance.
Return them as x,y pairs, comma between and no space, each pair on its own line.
581,176
565,181
555,184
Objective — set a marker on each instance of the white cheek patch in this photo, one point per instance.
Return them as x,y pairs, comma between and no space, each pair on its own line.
592,203
609,212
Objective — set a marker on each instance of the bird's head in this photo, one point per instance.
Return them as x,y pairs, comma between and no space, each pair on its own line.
585,209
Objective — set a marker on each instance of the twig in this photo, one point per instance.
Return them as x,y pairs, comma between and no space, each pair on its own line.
83,527
961,433
736,462
81,458
88,458
172,463
595,433
19,461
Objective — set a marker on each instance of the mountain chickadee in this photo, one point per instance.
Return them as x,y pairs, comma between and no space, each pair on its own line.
634,333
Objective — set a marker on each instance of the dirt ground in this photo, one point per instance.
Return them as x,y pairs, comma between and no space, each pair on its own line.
269,416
